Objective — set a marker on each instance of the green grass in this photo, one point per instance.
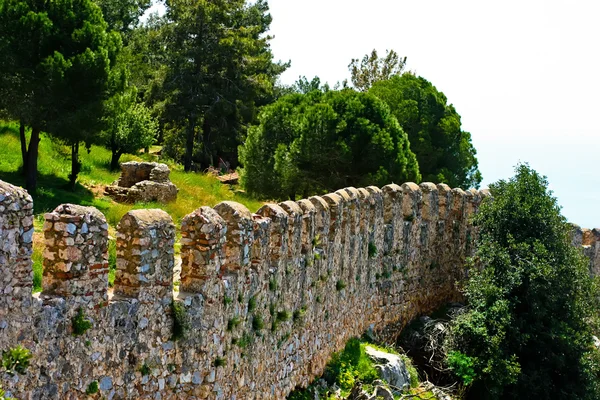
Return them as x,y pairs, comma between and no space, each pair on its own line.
352,365
54,165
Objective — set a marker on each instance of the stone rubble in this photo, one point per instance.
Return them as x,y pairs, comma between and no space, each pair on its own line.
143,182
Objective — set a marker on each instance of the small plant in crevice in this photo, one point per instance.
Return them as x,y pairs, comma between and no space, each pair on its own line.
299,314
92,388
283,339
16,360
227,300
272,284
318,299
244,341
272,309
283,316
274,325
145,369
79,323
372,250
240,298
233,323
220,362
257,323
340,285
251,304
180,323
316,242
387,274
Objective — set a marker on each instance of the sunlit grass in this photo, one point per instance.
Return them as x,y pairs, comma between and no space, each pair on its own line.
54,166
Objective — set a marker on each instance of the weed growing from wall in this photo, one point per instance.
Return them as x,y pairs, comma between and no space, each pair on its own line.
372,251
79,323
16,360
92,388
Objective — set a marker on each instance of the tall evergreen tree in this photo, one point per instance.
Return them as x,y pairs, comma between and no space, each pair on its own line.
445,152
219,68
55,59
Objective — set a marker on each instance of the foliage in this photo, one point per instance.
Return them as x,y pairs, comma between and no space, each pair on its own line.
251,304
180,322
257,323
145,369
220,362
92,388
123,15
532,303
79,323
340,285
3,395
371,69
219,69
318,142
233,323
129,126
283,316
350,365
16,360
462,366
372,250
444,151
55,62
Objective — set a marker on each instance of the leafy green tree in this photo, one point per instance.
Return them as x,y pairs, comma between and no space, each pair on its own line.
219,70
123,15
129,126
55,60
445,152
364,73
532,305
316,142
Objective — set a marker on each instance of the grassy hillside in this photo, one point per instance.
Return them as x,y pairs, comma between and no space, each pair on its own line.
195,190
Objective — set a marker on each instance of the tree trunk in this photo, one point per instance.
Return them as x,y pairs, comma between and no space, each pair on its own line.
114,161
31,164
207,156
75,165
23,147
189,146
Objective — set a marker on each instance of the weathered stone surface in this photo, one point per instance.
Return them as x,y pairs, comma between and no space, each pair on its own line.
76,255
391,368
266,297
143,182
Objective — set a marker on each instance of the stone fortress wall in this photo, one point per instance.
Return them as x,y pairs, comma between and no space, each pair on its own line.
263,301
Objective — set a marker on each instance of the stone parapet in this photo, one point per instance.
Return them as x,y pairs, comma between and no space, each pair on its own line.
264,299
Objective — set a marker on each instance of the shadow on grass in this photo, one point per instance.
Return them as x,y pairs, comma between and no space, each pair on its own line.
51,191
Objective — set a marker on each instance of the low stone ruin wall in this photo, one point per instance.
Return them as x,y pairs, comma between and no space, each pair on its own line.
143,182
265,298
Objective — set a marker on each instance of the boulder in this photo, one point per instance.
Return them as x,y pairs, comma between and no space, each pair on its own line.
143,182
391,368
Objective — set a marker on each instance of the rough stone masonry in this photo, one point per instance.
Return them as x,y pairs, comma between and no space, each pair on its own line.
265,298
143,182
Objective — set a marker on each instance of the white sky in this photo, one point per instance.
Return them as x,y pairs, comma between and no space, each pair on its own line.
524,75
